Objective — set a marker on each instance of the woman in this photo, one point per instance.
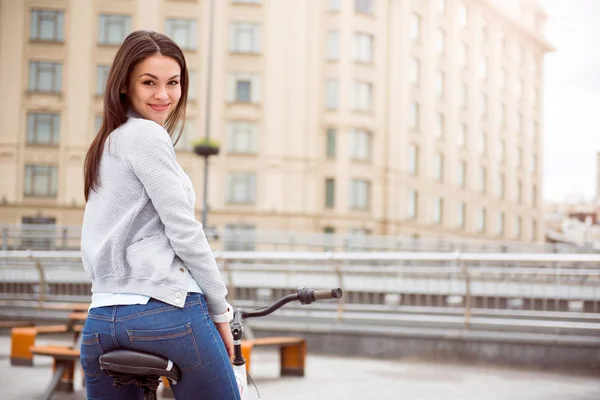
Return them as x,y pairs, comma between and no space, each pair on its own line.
155,283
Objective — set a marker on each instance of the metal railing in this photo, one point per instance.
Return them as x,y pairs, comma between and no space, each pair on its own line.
67,237
540,293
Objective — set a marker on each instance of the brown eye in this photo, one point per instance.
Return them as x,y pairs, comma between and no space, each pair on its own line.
148,83
173,83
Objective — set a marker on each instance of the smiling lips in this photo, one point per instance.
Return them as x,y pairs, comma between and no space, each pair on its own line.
159,107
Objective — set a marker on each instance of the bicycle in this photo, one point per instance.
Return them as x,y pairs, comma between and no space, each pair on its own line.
144,369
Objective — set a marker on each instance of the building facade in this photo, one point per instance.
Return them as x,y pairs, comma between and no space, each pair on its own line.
390,117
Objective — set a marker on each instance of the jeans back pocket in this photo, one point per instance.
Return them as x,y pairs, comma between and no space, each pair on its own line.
91,350
177,344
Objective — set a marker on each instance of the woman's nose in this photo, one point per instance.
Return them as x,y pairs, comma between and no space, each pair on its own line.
161,93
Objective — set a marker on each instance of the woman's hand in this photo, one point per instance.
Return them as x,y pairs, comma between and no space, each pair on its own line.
225,332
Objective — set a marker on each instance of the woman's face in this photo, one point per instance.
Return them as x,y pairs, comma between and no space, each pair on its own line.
154,88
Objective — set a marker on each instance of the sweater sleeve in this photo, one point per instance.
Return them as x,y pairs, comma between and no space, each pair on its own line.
151,156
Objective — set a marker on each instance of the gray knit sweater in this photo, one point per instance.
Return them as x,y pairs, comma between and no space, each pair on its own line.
139,232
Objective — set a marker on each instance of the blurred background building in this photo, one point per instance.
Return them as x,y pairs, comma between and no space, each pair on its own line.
385,117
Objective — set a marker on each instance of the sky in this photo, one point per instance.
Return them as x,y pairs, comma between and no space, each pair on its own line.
571,100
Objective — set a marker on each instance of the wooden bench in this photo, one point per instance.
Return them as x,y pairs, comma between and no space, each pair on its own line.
63,367
292,353
23,338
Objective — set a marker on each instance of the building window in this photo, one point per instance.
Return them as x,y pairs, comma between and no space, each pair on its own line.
441,5
501,150
463,15
519,192
414,115
484,30
500,231
243,137
43,128
460,214
331,95
413,159
534,130
245,88
480,221
440,83
329,193
462,96
363,47
503,78
533,230
438,210
102,72
45,77
501,186
414,71
463,55
461,174
439,125
334,5
519,88
482,143
244,38
333,45
533,165
363,95
484,105
412,204
519,158
331,145
360,145
415,27
483,68
183,32
503,115
47,25
517,227
239,237
462,135
534,196
440,41
482,179
438,174
363,6
113,29
40,181
360,194
241,188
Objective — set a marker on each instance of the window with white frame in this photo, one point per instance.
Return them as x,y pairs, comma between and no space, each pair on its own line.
414,115
363,47
182,31
534,195
362,96
461,173
482,142
40,180
47,25
460,214
503,78
244,37
519,192
519,88
463,15
519,158
329,193
334,5
363,6
45,76
463,55
102,71
462,95
242,137
440,122
331,143
501,186
503,115
484,30
241,188
440,84
520,123
462,135
360,145
533,230
483,109
43,128
438,210
534,130
501,150
413,159
500,231
517,227
438,167
483,67
440,41
333,45
331,94
192,84
412,204
415,27
360,194
112,29
244,88
414,71
441,5
480,220
533,164
482,179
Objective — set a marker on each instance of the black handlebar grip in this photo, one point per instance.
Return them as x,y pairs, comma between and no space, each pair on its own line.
328,294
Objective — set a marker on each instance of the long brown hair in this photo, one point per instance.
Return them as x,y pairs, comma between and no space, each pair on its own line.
136,47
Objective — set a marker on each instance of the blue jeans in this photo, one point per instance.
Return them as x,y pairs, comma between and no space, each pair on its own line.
187,336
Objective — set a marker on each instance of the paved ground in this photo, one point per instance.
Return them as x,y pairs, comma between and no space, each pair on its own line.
351,378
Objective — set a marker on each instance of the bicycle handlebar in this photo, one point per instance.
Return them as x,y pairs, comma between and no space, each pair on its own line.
304,295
